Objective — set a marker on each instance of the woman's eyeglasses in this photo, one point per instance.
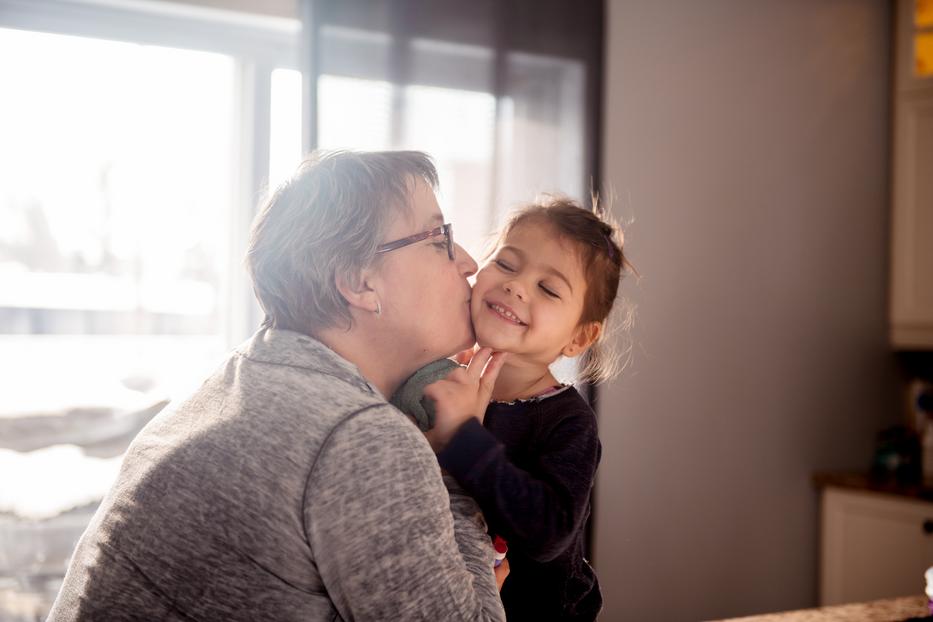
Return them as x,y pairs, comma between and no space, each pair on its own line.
446,230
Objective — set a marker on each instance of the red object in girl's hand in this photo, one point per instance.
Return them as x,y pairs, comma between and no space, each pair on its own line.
501,549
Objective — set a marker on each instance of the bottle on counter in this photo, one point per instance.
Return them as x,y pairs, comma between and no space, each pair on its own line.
924,406
927,458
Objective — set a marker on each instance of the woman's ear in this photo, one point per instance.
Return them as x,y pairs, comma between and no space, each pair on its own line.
357,290
585,336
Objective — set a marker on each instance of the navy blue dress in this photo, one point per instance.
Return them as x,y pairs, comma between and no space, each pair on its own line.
530,465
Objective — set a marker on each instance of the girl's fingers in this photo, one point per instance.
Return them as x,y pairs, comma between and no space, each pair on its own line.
458,374
502,571
488,380
475,369
465,356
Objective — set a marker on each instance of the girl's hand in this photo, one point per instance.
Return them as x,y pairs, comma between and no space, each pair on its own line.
464,393
464,357
502,571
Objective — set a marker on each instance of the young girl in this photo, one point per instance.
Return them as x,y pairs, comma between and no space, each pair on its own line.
531,460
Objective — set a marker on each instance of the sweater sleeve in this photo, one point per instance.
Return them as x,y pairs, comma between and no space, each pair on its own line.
537,513
380,525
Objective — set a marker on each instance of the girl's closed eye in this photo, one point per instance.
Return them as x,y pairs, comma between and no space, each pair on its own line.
547,290
504,266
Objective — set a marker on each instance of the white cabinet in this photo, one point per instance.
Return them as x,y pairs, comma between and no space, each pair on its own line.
912,222
911,294
873,546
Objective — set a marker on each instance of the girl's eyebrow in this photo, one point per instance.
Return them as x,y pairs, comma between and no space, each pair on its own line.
548,269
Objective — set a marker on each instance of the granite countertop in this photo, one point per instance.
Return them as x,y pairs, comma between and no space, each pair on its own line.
888,610
862,481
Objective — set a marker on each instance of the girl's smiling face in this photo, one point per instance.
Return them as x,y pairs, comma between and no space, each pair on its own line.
528,300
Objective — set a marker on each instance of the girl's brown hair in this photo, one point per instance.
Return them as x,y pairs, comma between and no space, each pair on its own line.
599,242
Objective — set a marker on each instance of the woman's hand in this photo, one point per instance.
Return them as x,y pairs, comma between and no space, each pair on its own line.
464,393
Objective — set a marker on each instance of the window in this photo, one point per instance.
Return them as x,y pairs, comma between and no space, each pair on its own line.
457,127
491,152
133,158
285,125
354,112
114,202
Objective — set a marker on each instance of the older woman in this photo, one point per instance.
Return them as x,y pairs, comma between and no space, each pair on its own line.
286,487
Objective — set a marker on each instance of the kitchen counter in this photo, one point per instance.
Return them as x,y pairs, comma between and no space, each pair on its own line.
862,481
888,610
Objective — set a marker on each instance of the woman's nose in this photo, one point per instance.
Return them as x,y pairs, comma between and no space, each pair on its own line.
465,263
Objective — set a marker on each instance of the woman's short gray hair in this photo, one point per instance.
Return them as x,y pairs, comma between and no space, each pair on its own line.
327,219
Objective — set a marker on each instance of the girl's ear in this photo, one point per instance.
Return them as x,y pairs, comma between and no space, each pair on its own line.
358,290
585,336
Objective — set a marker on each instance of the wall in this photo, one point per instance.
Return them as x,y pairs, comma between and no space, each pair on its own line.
749,142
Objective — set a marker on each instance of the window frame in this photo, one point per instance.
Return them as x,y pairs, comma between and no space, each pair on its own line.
258,44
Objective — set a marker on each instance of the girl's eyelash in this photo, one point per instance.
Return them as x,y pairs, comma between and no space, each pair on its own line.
507,268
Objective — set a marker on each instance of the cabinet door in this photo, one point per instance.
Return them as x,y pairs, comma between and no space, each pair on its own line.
912,223
911,295
873,546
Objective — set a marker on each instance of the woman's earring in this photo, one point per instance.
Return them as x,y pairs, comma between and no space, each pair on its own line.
378,308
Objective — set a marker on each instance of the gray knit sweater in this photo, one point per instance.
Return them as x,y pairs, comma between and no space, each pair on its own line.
285,488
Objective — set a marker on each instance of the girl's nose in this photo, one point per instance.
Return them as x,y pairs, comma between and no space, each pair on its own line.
514,288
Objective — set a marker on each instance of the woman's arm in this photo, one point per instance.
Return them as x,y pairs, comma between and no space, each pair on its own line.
387,539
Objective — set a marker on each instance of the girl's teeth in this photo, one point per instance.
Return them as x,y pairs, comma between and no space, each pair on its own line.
507,314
